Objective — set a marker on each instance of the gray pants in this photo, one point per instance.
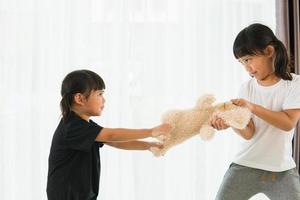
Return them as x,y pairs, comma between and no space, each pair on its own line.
241,183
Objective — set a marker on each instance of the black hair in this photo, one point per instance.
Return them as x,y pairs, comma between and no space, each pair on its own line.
79,81
253,40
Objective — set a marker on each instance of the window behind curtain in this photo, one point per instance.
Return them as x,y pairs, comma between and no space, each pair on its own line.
154,56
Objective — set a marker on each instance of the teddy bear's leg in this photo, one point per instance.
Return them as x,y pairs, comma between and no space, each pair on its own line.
157,152
163,138
207,132
205,101
171,117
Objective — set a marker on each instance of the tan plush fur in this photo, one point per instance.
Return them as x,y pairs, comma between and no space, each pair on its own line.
190,122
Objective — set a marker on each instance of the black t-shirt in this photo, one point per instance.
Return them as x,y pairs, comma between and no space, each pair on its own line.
74,160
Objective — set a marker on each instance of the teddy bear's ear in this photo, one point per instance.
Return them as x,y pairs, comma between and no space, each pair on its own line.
205,101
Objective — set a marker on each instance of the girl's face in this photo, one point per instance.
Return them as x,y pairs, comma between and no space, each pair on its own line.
94,104
259,66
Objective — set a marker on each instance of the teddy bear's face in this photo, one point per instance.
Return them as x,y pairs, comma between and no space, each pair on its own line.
234,116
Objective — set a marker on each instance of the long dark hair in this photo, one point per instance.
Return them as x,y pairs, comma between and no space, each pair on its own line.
253,40
79,81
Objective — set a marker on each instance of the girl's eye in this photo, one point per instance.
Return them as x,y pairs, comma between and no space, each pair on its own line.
245,61
248,59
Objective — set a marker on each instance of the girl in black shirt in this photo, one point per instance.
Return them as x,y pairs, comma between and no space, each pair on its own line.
74,160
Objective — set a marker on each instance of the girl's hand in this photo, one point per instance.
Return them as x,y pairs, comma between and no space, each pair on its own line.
218,123
243,103
162,130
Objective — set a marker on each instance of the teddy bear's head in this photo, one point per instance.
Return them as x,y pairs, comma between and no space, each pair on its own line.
235,116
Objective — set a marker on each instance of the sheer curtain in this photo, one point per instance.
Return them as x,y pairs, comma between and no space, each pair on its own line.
153,55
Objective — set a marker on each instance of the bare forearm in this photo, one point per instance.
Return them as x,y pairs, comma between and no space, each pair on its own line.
122,135
248,132
131,145
278,119
285,119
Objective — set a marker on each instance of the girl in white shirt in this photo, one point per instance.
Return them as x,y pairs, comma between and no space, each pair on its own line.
264,163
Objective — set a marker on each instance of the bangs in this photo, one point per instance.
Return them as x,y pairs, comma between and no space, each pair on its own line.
244,46
94,82
244,50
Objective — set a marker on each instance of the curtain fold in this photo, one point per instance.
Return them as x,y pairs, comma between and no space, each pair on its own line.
296,55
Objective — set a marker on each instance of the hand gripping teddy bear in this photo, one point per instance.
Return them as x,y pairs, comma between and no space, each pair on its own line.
190,122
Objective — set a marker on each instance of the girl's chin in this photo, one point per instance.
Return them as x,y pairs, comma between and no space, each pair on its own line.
96,113
100,112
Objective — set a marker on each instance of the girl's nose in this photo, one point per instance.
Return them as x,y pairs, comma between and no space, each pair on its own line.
248,68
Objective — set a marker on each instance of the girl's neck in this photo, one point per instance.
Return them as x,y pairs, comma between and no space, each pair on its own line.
81,114
269,80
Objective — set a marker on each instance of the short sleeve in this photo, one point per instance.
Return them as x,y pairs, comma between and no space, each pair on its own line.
81,135
244,93
292,100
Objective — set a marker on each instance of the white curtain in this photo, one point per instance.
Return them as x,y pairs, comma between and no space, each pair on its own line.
154,55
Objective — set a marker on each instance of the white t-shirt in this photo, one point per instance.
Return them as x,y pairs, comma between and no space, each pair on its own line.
270,148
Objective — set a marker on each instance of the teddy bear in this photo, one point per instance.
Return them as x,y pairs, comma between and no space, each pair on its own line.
195,121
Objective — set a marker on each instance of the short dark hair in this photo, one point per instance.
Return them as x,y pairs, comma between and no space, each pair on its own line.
253,40
79,81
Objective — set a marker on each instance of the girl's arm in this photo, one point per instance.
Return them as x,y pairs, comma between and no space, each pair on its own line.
135,145
248,132
122,134
284,120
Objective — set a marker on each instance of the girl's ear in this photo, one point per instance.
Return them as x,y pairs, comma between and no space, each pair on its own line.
79,99
269,51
